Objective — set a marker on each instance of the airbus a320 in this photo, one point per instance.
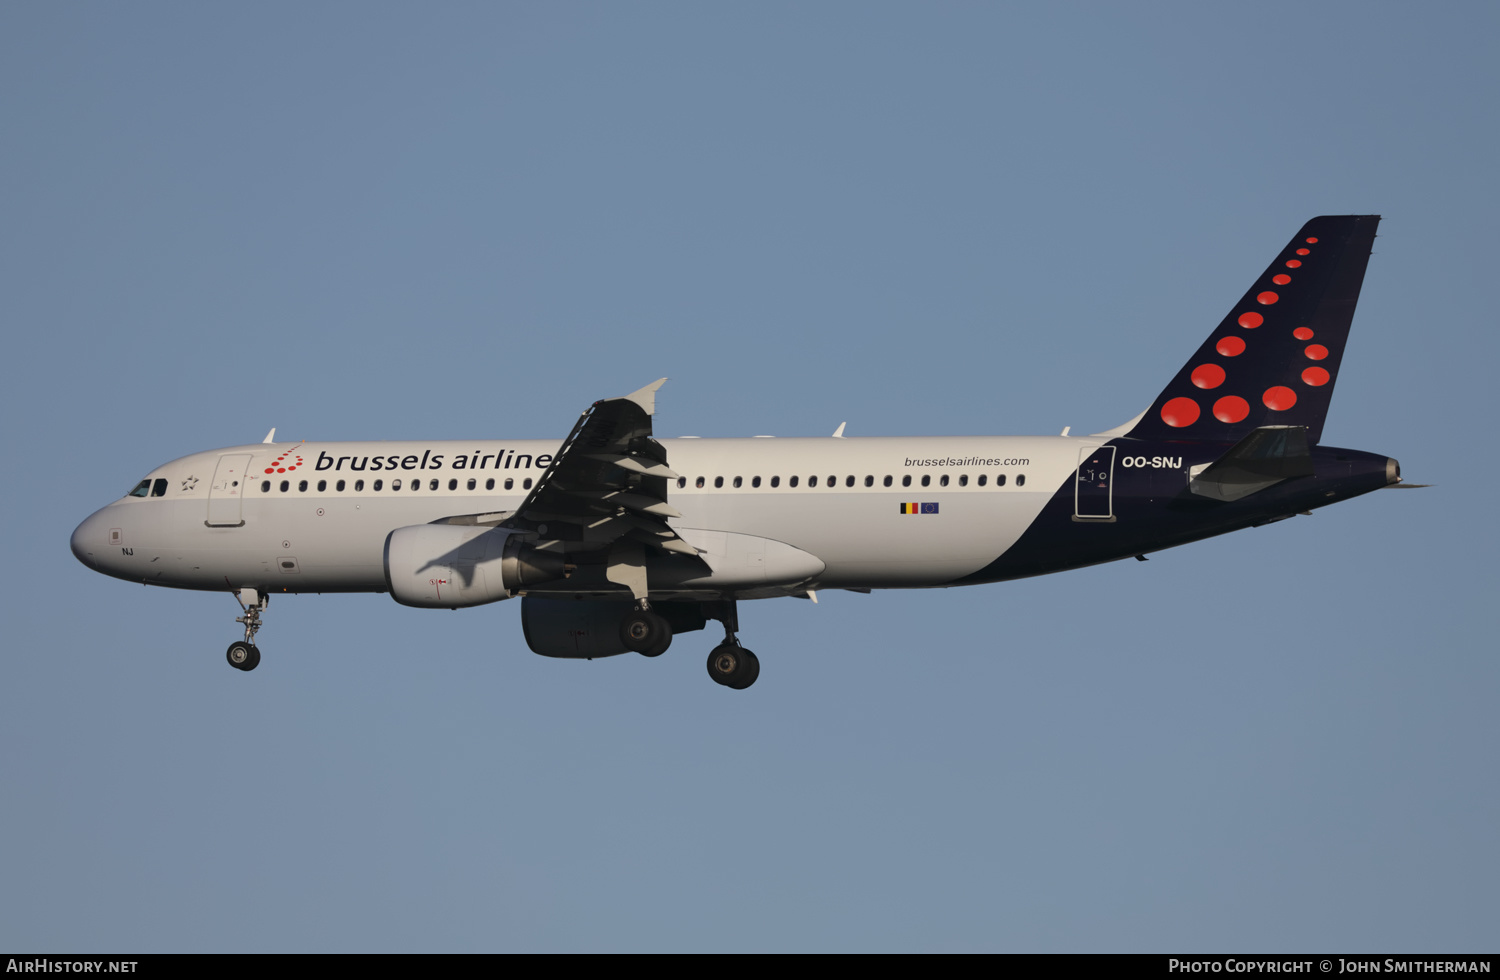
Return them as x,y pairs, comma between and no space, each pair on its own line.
617,541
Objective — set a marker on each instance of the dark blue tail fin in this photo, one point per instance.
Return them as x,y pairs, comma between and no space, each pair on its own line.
1274,359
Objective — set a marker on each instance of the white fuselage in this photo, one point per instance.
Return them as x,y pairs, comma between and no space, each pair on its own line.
254,516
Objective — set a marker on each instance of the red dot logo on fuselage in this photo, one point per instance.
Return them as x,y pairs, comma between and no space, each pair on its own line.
284,463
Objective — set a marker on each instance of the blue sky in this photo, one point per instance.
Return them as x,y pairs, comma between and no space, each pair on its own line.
366,221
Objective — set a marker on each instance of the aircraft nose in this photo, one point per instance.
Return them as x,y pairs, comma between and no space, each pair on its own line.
85,540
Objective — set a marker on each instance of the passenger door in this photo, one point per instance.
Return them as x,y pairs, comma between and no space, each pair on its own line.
227,491
1093,485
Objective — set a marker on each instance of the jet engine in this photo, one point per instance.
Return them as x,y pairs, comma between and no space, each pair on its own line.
448,566
587,628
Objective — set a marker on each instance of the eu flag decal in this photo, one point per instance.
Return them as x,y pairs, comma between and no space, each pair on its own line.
919,508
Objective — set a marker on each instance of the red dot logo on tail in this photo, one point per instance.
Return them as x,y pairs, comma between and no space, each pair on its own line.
1231,408
1180,412
1315,376
1208,376
1230,346
1251,320
1280,398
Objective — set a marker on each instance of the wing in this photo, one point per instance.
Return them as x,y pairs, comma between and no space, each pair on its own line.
606,488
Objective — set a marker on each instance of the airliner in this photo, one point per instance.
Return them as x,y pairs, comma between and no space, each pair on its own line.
615,541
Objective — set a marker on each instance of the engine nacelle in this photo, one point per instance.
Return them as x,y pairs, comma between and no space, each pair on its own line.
449,566
578,628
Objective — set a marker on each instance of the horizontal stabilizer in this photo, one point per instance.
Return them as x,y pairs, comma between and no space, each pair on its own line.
1264,458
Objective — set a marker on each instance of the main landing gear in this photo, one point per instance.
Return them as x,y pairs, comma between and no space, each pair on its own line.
732,665
729,663
244,654
645,632
648,633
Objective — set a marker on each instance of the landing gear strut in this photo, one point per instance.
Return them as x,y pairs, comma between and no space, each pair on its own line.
729,663
245,655
645,632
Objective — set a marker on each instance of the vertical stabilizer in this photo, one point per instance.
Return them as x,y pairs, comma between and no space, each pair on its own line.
1274,359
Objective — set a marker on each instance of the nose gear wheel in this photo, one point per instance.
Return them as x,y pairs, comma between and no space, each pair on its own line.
242,655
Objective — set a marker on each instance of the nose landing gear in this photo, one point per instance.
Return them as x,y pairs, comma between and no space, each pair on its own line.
245,655
242,656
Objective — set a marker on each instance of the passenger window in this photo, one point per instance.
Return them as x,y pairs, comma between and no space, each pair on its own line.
775,481
870,481
159,488
301,486
359,485
699,483
395,484
738,482
284,486
812,481
322,485
926,480
833,481
509,483
376,485
792,482
141,489
906,480
943,480
681,482
526,483
339,486
473,483
982,478
755,481
718,483
433,484
886,482
490,483
265,486
1020,479
452,484
1000,480
849,481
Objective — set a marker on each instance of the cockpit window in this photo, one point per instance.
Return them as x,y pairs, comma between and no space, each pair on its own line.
141,489
159,488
